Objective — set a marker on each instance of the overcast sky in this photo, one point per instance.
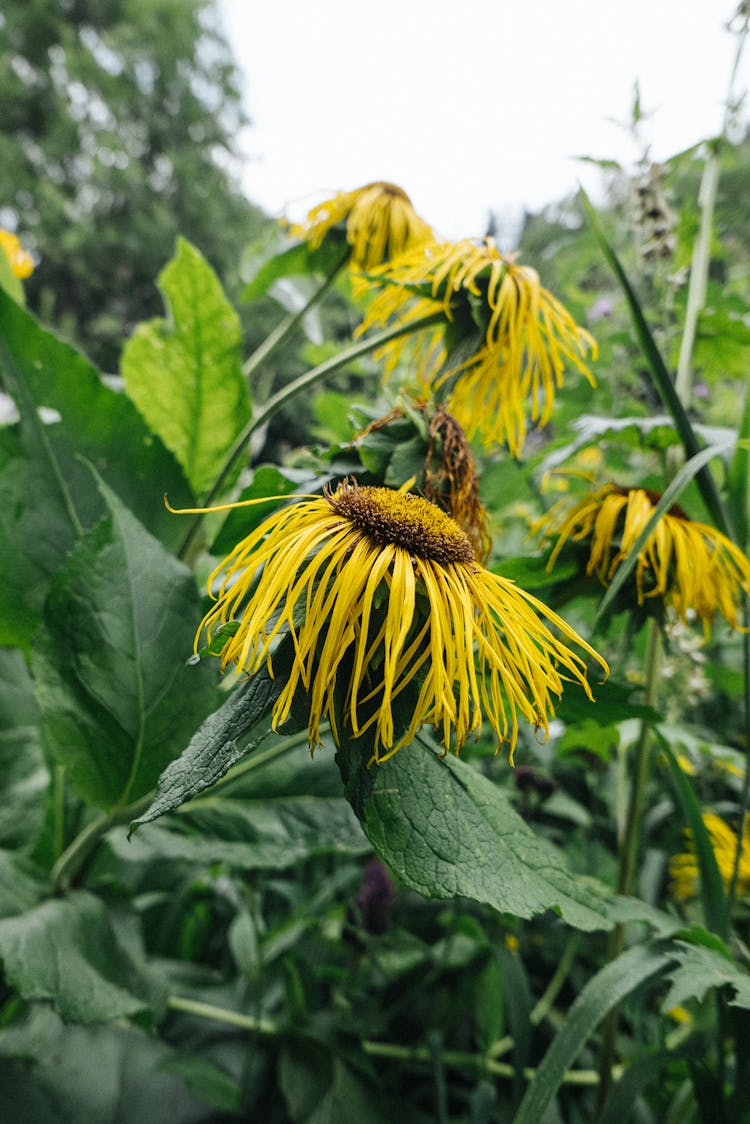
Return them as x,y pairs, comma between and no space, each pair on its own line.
472,105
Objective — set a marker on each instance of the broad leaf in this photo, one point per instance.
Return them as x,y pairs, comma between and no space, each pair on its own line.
66,413
250,835
91,1074
446,831
21,885
117,699
185,372
69,951
700,968
23,771
277,258
231,732
320,1088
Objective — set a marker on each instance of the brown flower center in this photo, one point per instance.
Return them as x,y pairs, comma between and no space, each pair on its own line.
389,518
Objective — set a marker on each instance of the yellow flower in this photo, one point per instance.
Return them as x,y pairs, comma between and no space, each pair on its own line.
520,337
690,565
380,223
21,263
390,596
684,867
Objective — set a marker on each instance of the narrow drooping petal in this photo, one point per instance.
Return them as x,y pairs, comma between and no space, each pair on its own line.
379,220
380,592
525,337
683,868
690,566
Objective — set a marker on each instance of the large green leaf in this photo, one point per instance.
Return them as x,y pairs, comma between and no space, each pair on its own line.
49,496
220,741
320,1088
51,1071
700,968
23,771
250,835
446,831
71,952
117,699
185,372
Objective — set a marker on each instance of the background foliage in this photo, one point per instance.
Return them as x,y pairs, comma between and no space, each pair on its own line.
290,939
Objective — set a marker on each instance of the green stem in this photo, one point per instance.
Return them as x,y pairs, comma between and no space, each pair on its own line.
223,1015
422,1055
58,809
629,850
293,390
545,1004
75,856
283,330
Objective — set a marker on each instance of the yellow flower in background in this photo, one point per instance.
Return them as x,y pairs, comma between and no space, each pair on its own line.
683,868
380,223
21,262
690,565
520,337
380,590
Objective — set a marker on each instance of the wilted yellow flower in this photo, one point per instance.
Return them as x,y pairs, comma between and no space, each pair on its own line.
690,565
380,591
21,262
519,336
683,868
380,223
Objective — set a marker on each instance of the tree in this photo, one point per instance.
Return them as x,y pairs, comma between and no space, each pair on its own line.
118,133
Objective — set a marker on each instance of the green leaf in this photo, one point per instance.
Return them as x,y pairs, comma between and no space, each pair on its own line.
116,697
250,835
70,952
184,372
319,1088
292,260
700,968
660,376
711,886
24,776
49,496
21,885
267,481
692,468
231,732
52,1071
446,831
604,991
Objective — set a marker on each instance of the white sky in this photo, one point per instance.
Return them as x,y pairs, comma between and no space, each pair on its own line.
469,105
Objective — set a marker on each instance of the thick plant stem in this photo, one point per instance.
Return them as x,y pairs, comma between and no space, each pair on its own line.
293,390
629,848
